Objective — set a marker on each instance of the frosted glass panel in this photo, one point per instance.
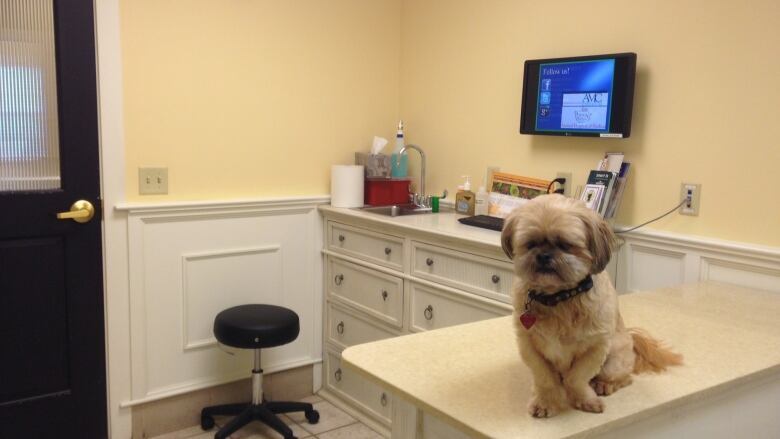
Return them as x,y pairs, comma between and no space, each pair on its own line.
29,140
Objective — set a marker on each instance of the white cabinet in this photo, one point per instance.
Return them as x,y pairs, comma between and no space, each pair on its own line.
433,428
433,308
348,329
375,293
479,275
356,390
383,281
374,247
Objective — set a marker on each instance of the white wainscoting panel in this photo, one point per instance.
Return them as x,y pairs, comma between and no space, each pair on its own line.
754,276
650,259
189,261
652,267
246,274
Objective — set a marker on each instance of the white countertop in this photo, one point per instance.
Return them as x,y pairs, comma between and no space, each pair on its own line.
471,376
444,224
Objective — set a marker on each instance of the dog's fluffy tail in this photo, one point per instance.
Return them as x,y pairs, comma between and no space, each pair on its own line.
651,354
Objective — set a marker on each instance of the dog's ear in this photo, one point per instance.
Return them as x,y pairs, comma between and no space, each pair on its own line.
601,239
507,234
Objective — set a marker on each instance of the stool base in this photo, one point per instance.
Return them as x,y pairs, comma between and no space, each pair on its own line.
248,412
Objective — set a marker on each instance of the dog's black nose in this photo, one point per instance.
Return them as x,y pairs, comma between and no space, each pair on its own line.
543,258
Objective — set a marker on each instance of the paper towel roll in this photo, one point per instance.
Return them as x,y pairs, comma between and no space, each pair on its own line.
346,186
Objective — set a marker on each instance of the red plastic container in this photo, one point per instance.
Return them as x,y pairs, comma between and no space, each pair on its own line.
384,191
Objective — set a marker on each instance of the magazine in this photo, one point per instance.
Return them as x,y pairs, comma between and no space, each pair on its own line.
509,191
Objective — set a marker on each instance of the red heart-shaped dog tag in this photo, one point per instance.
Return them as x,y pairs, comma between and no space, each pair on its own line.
527,319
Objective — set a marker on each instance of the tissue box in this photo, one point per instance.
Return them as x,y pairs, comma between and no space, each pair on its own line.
385,191
377,165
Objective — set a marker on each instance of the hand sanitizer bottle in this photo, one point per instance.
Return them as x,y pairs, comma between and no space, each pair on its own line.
399,162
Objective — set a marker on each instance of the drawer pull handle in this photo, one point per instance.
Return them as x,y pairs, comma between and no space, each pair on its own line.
496,279
342,238
340,328
339,279
388,250
383,399
337,374
384,295
429,262
428,313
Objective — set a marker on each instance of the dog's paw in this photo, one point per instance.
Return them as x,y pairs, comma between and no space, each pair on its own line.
542,409
605,388
592,405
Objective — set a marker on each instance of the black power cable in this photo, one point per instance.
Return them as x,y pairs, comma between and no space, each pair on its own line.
559,180
654,219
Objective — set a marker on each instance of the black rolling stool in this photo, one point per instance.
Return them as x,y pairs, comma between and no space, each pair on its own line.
255,327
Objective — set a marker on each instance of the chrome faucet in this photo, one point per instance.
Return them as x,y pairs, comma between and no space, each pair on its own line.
419,198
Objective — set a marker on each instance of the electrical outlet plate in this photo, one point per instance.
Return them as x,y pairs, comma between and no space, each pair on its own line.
152,181
567,185
694,190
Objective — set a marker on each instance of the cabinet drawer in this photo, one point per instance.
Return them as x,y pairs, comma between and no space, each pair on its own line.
345,329
363,244
431,308
356,389
484,276
377,294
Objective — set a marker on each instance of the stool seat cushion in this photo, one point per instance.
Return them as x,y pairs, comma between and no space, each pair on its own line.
256,326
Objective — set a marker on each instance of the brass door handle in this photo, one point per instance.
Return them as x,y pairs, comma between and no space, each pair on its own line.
81,211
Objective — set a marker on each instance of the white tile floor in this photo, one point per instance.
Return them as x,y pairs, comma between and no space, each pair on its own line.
333,424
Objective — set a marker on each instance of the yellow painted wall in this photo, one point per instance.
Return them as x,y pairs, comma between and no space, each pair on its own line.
259,98
705,111
255,98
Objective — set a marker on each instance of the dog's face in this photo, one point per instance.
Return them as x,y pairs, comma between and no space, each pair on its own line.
556,241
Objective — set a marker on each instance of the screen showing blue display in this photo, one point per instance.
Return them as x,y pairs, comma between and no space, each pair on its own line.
575,96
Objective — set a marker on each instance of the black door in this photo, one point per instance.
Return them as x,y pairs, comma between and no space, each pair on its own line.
52,349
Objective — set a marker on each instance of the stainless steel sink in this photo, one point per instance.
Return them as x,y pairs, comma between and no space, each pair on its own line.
397,210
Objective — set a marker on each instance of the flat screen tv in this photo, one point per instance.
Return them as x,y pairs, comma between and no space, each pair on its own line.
579,96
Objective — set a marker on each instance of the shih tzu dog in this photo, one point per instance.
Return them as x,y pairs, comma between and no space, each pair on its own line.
567,322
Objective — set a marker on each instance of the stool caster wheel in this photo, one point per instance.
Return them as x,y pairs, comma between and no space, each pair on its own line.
313,416
206,422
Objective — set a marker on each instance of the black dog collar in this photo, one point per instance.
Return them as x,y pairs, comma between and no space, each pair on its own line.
561,296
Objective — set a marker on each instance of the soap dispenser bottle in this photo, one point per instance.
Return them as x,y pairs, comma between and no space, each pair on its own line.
399,162
465,199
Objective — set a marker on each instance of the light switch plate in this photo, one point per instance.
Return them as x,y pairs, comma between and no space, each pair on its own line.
152,181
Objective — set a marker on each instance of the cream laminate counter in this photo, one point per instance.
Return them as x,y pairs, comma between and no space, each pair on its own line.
443,225
472,378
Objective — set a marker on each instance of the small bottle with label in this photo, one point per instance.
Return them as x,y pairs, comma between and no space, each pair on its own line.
481,202
465,200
